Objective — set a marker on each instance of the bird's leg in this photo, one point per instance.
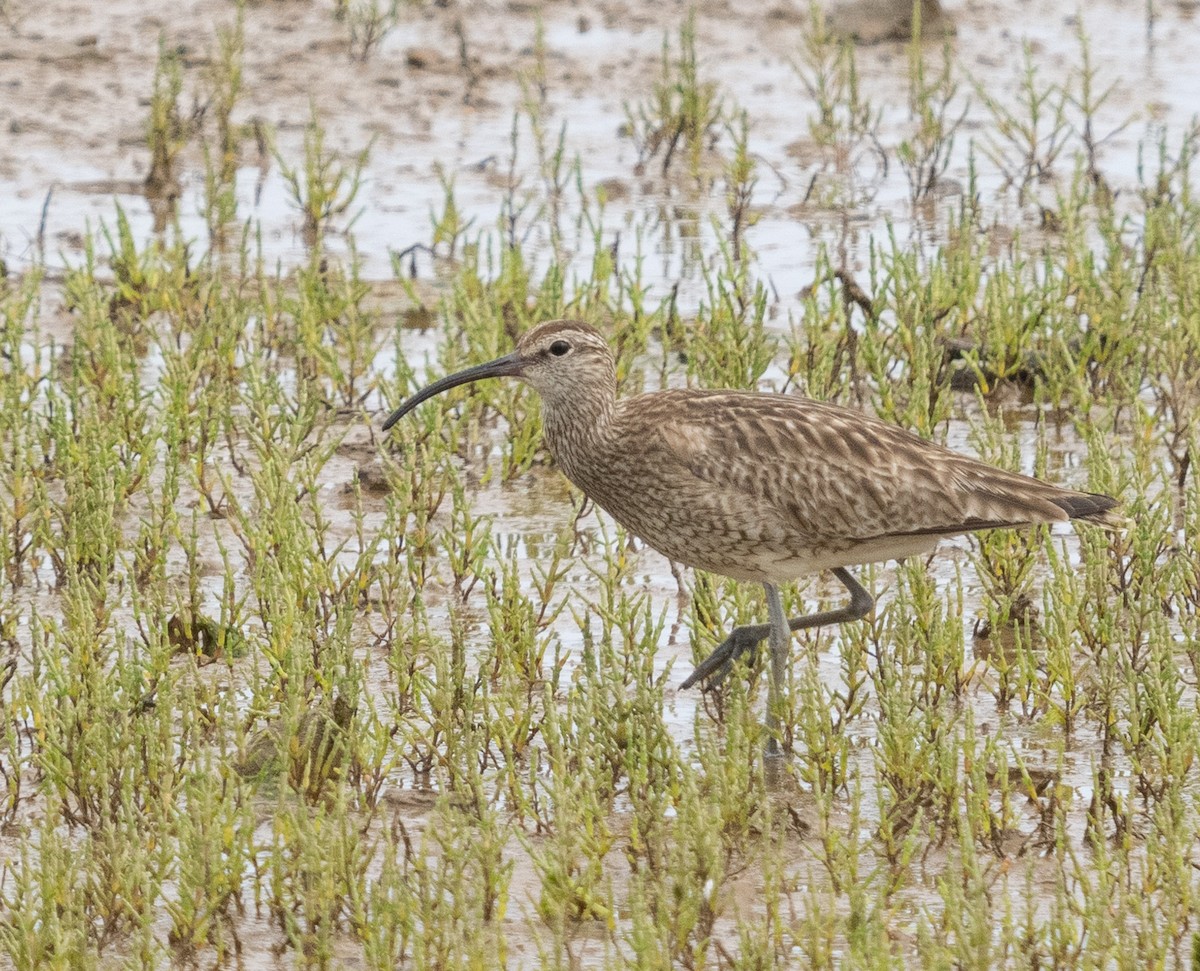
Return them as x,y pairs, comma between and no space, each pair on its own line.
780,640
744,639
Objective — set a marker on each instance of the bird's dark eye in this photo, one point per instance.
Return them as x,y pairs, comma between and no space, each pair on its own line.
559,348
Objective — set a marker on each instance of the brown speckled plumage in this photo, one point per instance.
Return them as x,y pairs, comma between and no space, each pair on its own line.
769,487
763,487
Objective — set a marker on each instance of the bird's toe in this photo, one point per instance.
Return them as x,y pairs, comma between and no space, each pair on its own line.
720,662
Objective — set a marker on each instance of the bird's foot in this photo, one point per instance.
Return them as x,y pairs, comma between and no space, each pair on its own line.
742,640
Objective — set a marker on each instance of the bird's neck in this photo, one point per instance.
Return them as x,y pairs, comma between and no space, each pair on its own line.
576,429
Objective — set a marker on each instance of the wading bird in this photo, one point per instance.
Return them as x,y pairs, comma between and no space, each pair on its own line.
755,486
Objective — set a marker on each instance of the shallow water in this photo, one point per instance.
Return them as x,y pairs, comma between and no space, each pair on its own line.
74,150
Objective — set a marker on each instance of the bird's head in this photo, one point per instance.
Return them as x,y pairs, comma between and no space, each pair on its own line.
562,360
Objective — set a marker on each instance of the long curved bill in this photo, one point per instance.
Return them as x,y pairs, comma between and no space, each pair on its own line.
507,366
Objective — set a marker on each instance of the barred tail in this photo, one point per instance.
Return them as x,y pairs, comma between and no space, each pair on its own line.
1091,507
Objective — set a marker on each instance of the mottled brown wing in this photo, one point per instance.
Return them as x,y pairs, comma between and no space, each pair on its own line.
842,475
